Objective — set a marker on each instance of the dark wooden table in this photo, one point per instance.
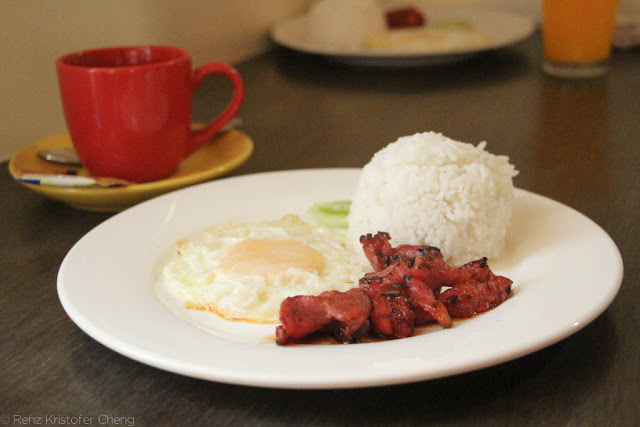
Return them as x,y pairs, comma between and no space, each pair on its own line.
577,142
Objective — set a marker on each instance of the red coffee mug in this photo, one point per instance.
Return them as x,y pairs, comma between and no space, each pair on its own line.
128,109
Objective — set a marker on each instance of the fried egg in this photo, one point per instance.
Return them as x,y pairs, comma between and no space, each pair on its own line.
243,271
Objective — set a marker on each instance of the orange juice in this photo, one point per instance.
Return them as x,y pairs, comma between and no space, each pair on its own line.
578,31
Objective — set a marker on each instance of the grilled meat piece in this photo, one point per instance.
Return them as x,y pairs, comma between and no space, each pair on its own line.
377,249
344,315
400,302
426,304
392,314
481,292
430,267
424,262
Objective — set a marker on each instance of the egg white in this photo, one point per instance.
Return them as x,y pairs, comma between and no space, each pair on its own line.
198,274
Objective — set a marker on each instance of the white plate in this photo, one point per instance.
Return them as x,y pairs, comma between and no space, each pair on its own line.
105,284
505,28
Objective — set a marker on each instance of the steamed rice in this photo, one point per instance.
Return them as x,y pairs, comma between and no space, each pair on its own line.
344,23
428,189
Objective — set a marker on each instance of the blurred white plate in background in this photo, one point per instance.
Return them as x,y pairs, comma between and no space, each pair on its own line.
502,28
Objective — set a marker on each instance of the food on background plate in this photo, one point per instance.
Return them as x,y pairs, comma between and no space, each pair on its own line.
434,39
344,23
427,189
368,24
404,17
243,271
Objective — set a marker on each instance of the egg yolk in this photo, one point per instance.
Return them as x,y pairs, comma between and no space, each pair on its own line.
268,257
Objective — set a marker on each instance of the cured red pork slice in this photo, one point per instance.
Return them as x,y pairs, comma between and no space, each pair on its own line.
344,315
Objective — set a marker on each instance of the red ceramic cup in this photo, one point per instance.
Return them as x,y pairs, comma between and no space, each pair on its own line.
128,109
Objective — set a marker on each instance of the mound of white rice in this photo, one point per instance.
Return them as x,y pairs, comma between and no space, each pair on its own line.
428,189
344,23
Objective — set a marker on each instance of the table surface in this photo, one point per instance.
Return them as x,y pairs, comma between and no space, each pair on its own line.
577,142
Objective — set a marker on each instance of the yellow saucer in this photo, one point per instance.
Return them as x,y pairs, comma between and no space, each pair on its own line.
225,152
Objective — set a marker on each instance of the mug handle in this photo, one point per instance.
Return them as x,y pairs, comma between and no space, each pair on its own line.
199,137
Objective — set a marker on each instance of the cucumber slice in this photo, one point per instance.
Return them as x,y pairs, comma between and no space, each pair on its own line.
331,214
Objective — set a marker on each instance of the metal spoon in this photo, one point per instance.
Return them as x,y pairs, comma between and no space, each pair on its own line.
68,155
62,155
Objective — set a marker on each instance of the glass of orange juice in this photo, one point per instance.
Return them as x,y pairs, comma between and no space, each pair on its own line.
576,36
